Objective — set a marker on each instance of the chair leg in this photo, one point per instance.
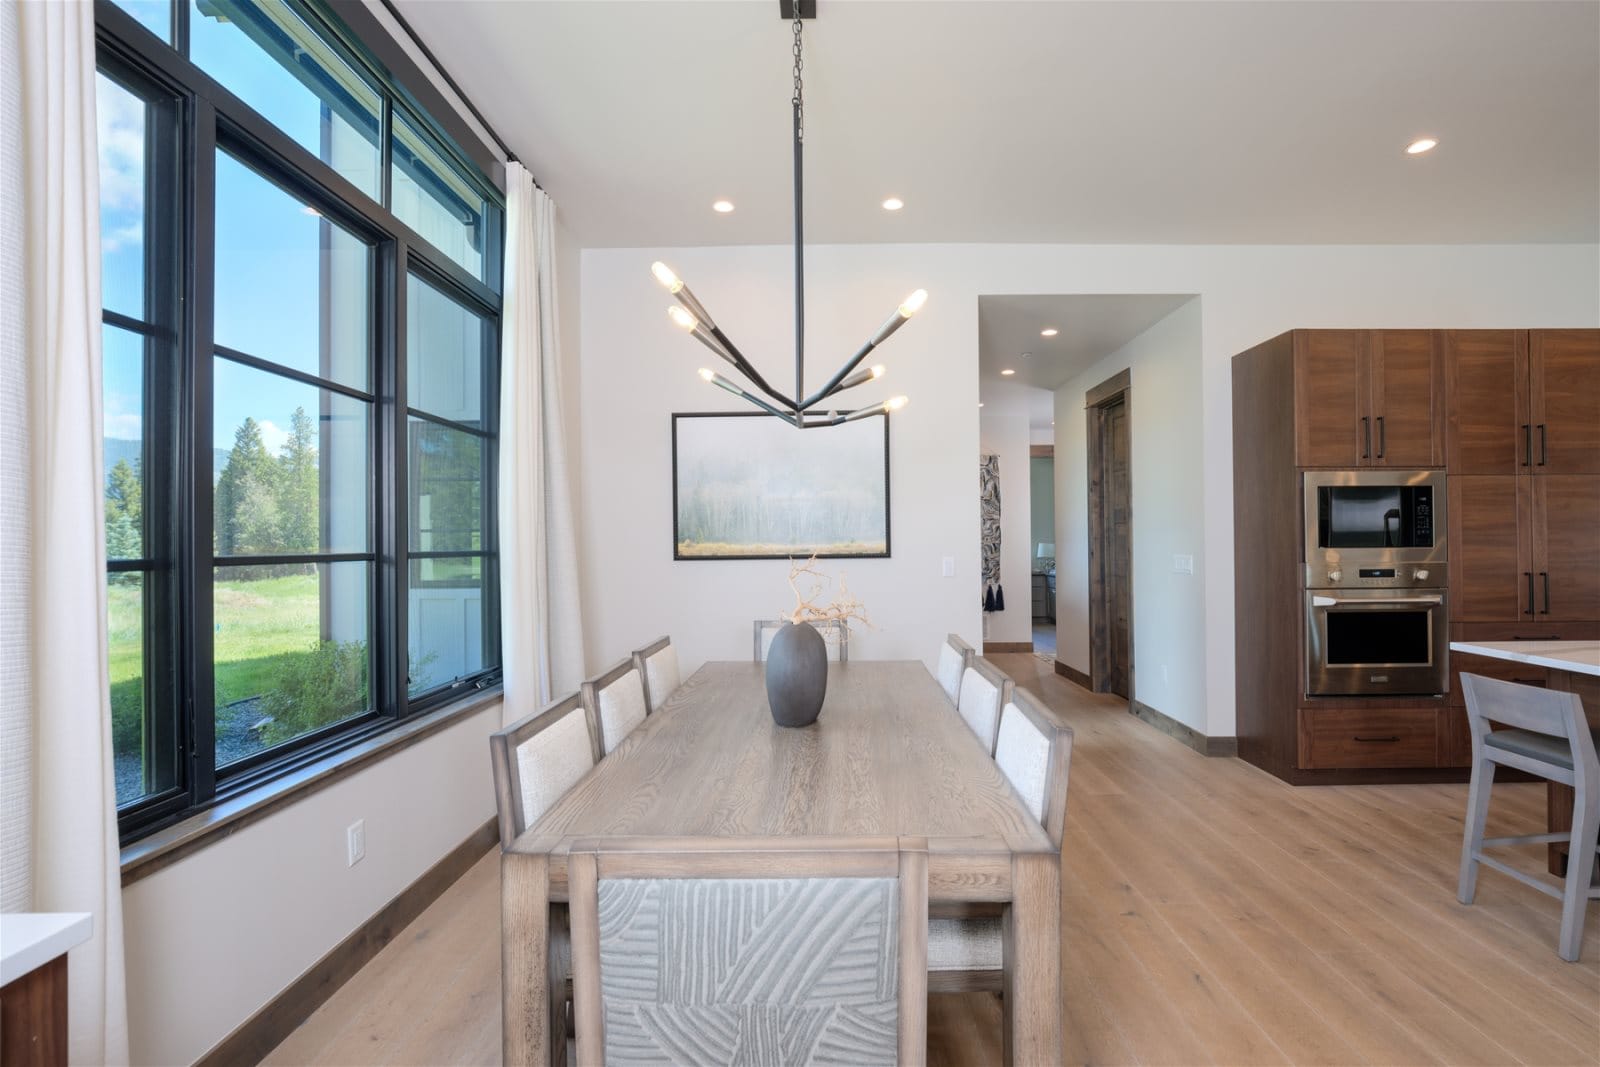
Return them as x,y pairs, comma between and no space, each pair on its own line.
1472,834
1580,867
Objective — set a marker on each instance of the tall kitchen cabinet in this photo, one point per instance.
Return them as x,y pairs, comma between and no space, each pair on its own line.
1522,446
1368,398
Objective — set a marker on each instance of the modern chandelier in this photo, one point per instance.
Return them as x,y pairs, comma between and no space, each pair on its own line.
799,410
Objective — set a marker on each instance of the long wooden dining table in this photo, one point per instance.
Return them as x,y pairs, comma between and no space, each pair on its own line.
888,757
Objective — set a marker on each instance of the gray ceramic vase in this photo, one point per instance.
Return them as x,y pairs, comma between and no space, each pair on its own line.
797,674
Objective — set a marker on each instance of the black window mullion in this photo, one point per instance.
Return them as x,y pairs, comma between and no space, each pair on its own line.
196,560
395,453
233,355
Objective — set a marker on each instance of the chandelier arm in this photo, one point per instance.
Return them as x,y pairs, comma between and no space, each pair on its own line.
732,354
722,383
833,383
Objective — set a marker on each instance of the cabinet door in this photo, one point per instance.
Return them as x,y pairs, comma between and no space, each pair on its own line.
1486,392
1407,405
1333,427
1566,546
1564,376
1488,545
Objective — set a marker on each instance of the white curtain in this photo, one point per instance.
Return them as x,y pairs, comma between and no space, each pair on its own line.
541,620
60,827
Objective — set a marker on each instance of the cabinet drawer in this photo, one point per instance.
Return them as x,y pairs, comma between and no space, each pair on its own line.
1356,737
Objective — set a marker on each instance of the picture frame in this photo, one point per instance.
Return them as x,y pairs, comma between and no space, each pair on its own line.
747,485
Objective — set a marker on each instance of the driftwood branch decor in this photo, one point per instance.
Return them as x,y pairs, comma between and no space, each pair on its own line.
844,608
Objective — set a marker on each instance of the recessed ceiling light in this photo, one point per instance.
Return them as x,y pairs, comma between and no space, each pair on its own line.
1008,372
722,207
894,203
1421,145
1049,331
980,403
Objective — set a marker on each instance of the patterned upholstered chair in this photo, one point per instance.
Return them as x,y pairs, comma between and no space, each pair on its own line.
616,704
955,656
1034,752
984,691
536,760
837,634
658,663
724,950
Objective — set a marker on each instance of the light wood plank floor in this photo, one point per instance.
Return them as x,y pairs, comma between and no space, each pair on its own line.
1212,914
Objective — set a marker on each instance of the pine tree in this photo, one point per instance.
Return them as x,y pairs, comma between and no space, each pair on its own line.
297,504
246,504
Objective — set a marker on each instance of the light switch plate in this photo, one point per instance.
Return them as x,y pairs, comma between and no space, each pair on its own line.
949,570
1183,564
355,842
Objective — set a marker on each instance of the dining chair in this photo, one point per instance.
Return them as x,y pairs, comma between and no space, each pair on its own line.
836,633
1543,732
1034,752
750,950
955,656
985,689
536,760
657,662
615,702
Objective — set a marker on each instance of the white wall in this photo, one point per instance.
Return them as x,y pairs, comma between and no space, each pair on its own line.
637,370
1007,436
214,937
1166,476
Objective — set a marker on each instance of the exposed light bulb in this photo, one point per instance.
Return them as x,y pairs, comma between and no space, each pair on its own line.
1049,331
895,403
1008,372
665,276
1421,145
706,375
913,303
722,207
879,370
682,318
894,203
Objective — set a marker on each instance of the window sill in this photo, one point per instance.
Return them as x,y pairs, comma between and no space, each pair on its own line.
166,847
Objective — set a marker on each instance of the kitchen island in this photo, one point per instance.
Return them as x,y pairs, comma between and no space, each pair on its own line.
1574,667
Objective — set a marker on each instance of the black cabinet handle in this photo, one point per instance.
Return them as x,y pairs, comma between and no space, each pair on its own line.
1544,456
1543,637
1366,438
1529,575
1527,444
1377,740
1382,437
1546,576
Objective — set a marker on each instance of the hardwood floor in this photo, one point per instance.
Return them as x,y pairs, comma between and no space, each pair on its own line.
1211,914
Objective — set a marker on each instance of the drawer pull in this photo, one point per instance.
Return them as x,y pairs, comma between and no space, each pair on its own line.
1546,637
1378,740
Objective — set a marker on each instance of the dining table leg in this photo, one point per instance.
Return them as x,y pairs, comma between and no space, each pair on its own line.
524,958
1032,979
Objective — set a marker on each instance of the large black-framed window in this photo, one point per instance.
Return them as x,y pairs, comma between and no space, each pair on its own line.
301,279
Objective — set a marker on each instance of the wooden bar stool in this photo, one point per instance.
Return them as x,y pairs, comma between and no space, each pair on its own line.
1542,732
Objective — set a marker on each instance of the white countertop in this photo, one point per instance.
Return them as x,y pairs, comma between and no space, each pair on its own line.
1579,657
29,940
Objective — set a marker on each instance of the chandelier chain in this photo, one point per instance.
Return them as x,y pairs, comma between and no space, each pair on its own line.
799,85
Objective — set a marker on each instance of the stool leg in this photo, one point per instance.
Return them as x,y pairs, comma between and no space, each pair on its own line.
1472,835
1580,866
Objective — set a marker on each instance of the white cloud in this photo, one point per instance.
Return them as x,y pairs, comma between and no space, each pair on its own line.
124,426
119,125
273,437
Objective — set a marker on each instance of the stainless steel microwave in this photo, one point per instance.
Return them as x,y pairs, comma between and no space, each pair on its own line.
1374,519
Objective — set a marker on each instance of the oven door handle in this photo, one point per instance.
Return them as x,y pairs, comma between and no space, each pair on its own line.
1334,601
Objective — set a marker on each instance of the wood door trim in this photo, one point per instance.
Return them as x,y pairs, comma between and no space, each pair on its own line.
1042,451
1117,389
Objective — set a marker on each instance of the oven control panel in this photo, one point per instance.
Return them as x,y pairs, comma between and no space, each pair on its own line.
1355,576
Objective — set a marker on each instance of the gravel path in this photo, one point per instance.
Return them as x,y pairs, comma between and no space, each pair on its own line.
235,740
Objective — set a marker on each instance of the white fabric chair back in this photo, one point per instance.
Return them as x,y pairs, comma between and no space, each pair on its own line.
955,656
616,701
836,634
536,760
1022,752
983,690
659,663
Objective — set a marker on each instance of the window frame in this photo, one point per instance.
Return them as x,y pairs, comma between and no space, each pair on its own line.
209,119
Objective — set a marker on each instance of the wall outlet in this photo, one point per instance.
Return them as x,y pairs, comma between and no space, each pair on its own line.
355,838
949,567
1183,564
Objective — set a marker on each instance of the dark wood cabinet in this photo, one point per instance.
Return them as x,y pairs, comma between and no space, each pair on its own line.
1489,546
1564,401
1522,401
1368,398
1566,546
1353,738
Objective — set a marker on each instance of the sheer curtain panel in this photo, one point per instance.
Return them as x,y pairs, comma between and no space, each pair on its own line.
541,623
60,847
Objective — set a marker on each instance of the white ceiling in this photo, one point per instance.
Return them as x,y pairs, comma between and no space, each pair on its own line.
1090,328
1184,122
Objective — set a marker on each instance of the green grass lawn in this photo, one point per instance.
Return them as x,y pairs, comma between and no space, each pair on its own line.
259,626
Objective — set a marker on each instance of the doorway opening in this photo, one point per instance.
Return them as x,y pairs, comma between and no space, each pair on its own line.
1109,409
1042,546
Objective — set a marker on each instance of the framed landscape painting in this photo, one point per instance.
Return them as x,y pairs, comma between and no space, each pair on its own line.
750,486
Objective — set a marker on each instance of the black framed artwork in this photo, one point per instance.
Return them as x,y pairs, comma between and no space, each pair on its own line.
747,485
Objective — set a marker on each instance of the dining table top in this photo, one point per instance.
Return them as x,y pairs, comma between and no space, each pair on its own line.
888,756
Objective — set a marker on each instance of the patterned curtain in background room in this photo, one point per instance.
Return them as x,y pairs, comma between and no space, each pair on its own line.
994,596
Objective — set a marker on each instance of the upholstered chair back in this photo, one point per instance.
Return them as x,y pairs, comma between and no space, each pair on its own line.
536,760
615,700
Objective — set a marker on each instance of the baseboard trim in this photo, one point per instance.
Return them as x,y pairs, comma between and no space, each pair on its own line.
1072,674
992,647
266,1029
1206,746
